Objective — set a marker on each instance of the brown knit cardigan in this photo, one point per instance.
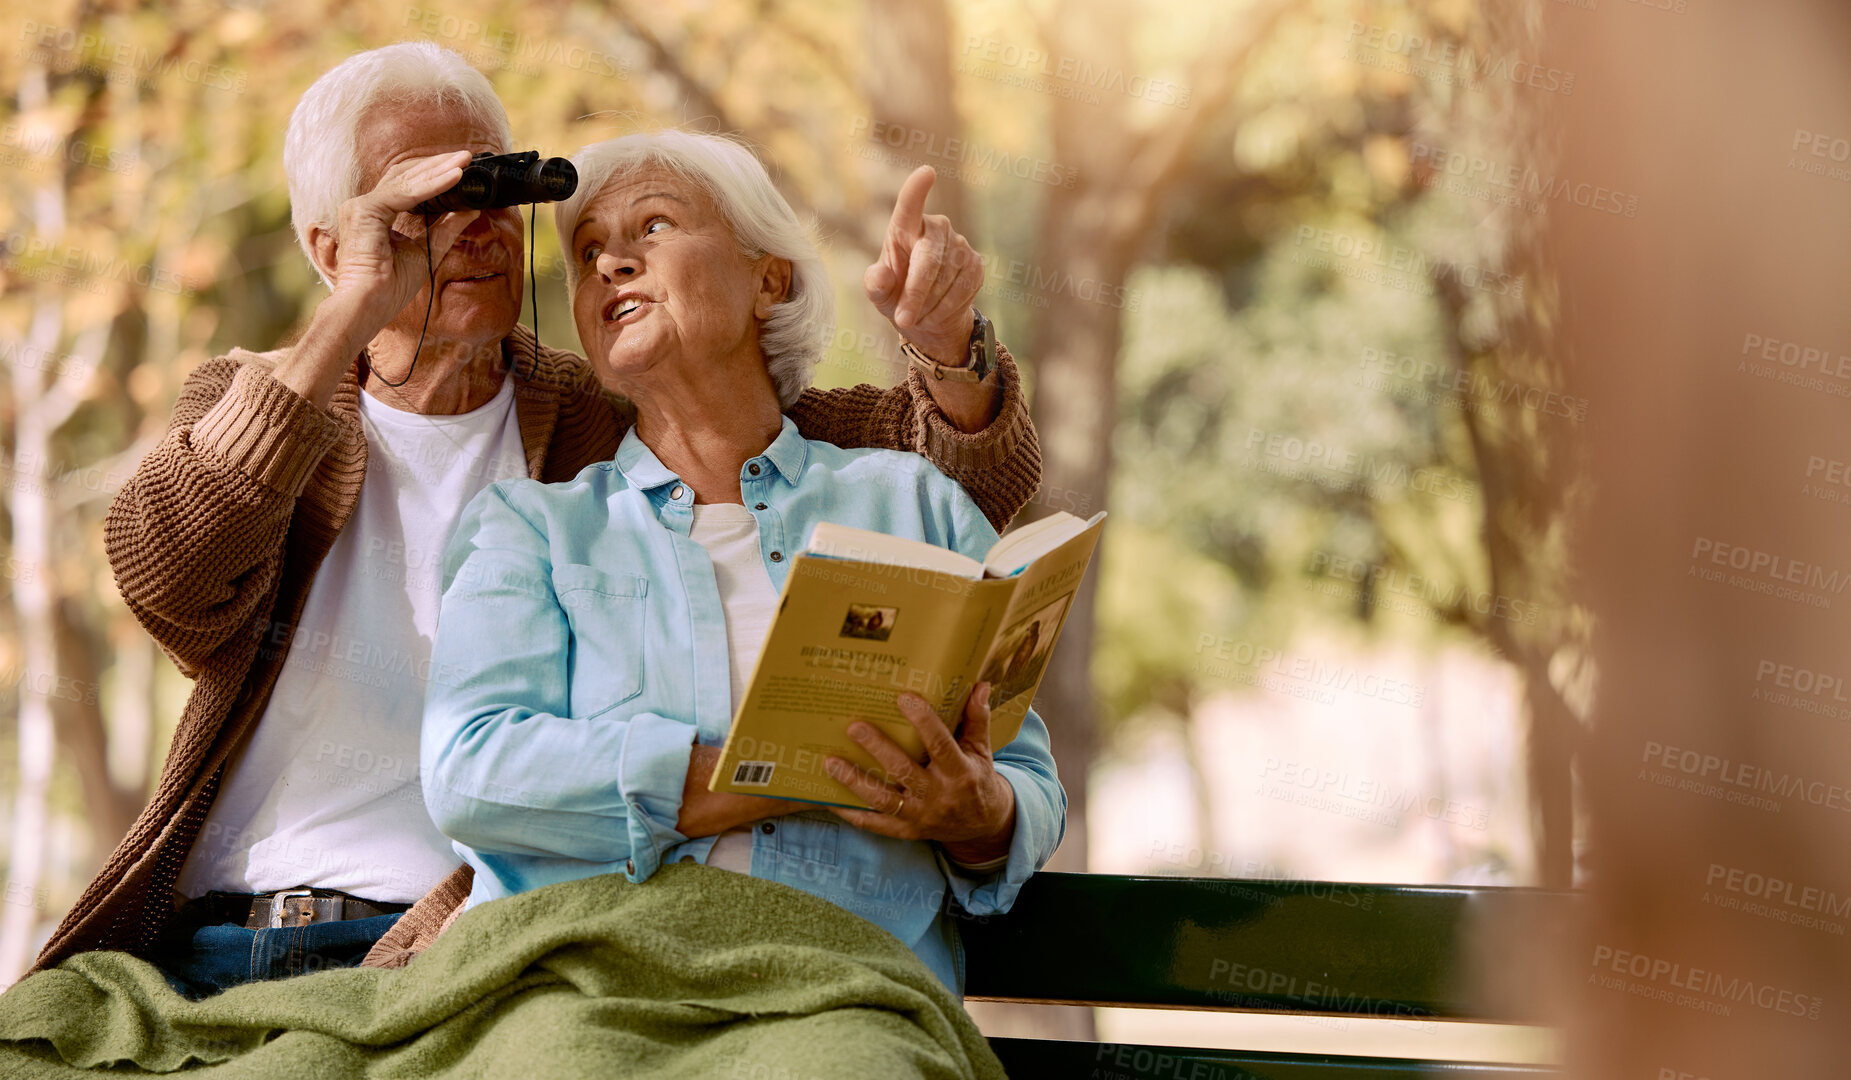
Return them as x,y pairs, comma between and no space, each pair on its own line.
217,537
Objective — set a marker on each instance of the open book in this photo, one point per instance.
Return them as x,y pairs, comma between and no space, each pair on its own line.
865,617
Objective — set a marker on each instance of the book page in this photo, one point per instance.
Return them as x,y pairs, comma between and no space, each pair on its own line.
1031,626
1032,541
865,545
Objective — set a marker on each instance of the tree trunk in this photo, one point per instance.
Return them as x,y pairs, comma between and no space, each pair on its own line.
32,513
83,734
1432,721
1513,492
29,506
1552,744
1092,233
131,709
907,79
1073,345
1203,804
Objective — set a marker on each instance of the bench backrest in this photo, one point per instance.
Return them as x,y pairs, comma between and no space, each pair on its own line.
1418,953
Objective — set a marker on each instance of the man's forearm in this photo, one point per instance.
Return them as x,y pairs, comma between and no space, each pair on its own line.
970,406
314,368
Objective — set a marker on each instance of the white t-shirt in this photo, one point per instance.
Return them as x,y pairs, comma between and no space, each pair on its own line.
729,532
326,791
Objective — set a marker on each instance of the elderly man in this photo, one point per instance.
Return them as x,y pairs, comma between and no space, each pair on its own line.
282,542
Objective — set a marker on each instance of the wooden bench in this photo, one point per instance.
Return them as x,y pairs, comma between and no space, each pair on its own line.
1412,953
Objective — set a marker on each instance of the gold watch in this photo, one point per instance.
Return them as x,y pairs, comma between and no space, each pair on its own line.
980,355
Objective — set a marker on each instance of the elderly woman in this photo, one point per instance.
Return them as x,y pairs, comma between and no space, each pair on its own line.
597,634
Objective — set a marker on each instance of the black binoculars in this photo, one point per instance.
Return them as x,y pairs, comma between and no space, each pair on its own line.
491,181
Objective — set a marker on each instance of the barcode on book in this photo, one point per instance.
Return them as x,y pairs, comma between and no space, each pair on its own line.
753,773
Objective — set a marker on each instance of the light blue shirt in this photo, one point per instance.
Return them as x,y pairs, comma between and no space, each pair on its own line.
581,652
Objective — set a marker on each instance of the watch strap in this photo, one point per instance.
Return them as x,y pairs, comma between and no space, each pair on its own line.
935,370
980,354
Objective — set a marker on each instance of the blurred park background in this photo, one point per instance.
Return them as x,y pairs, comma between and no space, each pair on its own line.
1271,268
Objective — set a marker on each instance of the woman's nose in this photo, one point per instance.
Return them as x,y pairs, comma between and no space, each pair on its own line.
611,265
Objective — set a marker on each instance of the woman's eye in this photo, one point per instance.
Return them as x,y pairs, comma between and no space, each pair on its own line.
590,253
651,227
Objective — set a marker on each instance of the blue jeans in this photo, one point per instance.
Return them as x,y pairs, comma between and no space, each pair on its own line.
202,960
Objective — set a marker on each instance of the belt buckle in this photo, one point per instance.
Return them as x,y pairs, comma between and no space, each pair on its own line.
277,901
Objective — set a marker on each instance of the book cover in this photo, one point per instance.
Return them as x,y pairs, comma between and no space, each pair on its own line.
853,633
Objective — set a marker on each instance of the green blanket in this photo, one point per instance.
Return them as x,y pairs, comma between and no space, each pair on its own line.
697,972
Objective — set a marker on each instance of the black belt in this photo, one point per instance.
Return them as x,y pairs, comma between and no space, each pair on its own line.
289,907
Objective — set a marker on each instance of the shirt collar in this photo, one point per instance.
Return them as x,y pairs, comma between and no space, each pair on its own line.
787,454
639,464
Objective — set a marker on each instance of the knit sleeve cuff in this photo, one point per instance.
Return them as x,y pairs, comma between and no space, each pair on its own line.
980,450
267,431
418,927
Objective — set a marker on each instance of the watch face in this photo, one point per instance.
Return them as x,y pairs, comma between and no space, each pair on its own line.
982,346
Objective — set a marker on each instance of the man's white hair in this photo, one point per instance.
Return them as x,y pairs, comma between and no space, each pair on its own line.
320,158
761,220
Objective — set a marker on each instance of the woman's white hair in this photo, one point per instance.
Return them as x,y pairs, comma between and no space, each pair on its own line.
320,157
761,220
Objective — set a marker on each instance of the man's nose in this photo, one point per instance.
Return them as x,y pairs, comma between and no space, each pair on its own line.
482,226
481,236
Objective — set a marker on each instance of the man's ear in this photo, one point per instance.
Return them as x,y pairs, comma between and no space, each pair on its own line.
774,286
326,252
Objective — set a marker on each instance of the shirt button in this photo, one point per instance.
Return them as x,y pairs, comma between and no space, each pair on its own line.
758,506
675,492
767,828
629,866
777,556
753,468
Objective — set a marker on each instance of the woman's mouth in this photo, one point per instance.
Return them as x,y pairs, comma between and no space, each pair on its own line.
626,310
477,279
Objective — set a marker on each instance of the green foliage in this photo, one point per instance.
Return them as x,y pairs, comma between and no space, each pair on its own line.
1292,447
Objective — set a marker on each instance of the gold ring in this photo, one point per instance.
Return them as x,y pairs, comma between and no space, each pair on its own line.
897,807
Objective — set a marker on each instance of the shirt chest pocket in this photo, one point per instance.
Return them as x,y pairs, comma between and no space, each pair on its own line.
607,614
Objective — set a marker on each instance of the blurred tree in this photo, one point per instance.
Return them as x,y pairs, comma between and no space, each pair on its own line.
122,129
1096,232
1465,485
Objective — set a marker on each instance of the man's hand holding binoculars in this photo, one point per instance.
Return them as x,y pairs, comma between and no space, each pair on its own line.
378,260
378,264
382,260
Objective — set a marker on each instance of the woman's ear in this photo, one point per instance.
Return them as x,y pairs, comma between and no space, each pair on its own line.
774,286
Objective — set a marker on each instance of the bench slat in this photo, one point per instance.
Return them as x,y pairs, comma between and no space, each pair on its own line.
1386,951
1031,1059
